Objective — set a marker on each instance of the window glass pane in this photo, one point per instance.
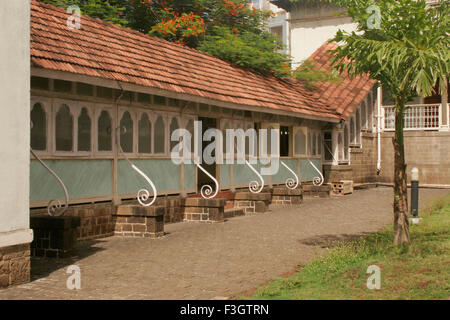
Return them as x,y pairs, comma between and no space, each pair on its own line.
39,128
159,100
300,142
190,128
144,98
126,132
173,126
284,141
340,147
103,92
145,137
64,129
346,142
62,86
104,132
84,131
319,144
352,130
363,115
159,135
39,83
328,145
358,126
85,89
314,144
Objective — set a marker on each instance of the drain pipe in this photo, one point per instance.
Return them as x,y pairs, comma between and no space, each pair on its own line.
379,97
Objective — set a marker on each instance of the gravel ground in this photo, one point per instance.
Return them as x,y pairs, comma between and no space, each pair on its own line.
205,261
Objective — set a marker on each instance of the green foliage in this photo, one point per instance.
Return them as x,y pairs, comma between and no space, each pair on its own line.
248,50
310,75
408,53
107,10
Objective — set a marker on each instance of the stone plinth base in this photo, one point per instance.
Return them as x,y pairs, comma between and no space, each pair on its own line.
14,265
139,221
253,202
203,210
54,237
284,195
312,191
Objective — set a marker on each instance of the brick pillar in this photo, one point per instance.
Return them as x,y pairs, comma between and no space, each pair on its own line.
203,210
14,265
139,221
54,237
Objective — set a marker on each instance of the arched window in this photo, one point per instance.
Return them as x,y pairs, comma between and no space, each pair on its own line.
314,144
160,135
173,126
363,115
84,131
144,135
346,138
341,155
104,134
126,132
310,143
38,134
352,130
64,129
319,143
300,142
358,126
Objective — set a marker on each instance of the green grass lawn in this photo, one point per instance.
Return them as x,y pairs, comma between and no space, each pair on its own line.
421,271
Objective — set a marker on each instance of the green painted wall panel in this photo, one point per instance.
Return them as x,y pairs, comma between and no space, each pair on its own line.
224,175
164,174
82,178
307,171
283,173
189,176
242,174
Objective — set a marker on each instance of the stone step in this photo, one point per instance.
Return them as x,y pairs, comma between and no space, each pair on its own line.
233,212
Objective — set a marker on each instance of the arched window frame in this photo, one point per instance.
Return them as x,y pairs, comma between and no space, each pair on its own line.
76,111
304,130
363,114
151,119
165,119
133,116
98,111
47,108
170,116
358,127
73,110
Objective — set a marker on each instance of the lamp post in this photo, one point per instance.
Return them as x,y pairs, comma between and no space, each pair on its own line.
415,196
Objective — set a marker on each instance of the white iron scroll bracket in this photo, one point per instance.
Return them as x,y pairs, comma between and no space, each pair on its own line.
54,207
206,190
317,181
143,195
291,183
255,186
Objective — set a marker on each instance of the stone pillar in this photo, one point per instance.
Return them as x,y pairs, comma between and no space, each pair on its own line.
203,210
54,237
253,202
15,233
284,195
139,221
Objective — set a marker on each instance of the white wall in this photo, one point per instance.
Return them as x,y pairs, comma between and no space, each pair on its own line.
14,122
312,24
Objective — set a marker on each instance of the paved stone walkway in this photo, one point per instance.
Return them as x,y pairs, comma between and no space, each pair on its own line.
204,261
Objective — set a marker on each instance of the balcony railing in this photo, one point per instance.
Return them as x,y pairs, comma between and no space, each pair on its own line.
415,117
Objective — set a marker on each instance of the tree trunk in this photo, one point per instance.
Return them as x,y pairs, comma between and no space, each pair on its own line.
401,225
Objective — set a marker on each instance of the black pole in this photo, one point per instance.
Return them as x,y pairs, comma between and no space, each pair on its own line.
415,192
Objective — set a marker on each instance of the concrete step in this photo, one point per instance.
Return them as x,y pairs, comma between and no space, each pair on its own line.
233,212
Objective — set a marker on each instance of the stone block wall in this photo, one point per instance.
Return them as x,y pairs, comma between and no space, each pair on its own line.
203,210
95,219
138,221
54,237
14,265
427,150
253,202
284,195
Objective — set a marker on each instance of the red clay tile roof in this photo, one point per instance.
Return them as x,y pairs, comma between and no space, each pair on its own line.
344,96
108,51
